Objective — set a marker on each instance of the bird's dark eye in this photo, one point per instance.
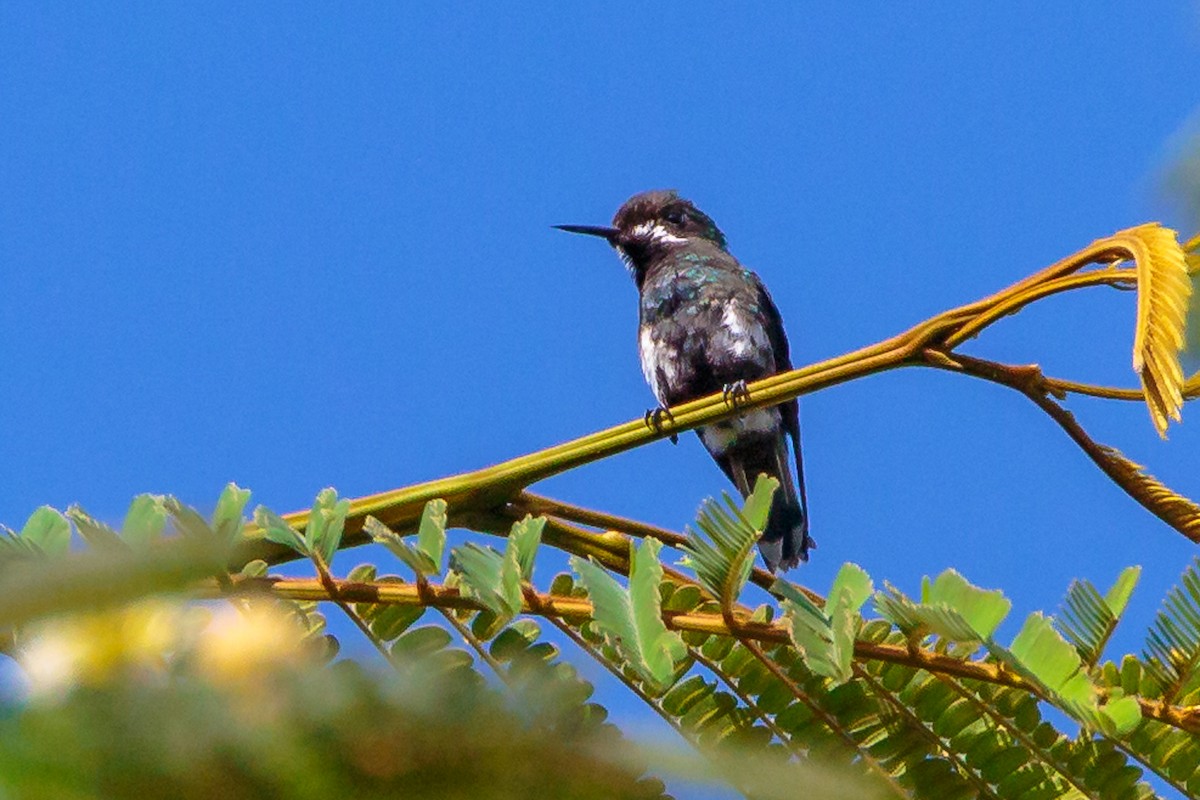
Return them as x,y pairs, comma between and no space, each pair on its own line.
675,216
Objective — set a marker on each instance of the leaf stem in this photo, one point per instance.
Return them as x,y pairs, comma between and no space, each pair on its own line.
831,722
746,699
925,732
574,608
333,594
1042,754
476,645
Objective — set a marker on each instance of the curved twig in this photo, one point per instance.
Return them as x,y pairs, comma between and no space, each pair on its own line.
1175,510
1063,386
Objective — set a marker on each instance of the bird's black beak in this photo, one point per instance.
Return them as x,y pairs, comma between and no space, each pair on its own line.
591,230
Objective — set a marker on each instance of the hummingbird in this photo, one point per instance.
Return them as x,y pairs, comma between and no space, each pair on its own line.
707,324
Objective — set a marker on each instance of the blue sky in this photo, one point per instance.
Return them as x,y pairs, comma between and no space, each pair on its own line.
296,246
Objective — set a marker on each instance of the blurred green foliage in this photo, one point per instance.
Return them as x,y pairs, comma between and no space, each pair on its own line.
155,700
138,689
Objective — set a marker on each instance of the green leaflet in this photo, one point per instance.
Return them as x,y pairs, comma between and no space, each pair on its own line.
431,533
1040,653
95,532
1118,596
494,579
144,521
632,621
954,609
255,569
227,518
720,546
275,529
489,577
1173,644
187,522
980,609
227,522
323,534
950,607
49,530
523,539
758,505
388,622
425,558
827,635
1087,619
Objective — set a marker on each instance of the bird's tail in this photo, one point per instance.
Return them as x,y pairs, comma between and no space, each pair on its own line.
785,542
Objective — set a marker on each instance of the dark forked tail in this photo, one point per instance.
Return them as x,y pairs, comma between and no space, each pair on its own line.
785,542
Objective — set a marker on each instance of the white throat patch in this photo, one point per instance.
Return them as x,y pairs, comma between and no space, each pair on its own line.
655,233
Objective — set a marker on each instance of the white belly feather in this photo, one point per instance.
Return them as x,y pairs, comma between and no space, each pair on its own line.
717,438
656,360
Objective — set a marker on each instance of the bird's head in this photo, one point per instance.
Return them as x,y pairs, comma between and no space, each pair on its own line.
652,224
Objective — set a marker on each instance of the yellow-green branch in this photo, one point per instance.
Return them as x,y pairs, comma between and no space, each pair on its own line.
484,490
579,610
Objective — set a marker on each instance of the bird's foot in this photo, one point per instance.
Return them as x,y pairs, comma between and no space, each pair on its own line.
654,421
736,394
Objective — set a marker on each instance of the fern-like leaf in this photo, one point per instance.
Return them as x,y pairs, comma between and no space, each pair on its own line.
94,532
1042,655
950,607
826,635
48,530
187,520
1087,618
15,549
276,529
495,579
489,577
632,621
1163,291
326,523
1173,644
523,540
426,557
720,548
227,518
144,521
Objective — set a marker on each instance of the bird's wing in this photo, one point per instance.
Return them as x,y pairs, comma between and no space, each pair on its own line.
773,321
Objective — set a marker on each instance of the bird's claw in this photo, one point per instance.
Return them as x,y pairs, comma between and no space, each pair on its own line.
736,394
654,421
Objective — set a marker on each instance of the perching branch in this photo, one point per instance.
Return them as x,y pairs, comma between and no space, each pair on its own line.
930,343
